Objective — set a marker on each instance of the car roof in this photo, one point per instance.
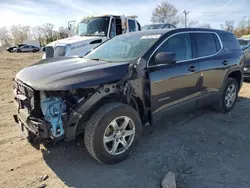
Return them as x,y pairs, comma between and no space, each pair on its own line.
176,30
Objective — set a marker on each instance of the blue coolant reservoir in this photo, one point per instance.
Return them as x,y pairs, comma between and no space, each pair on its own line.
52,109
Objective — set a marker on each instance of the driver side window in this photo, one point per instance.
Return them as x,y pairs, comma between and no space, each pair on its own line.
179,44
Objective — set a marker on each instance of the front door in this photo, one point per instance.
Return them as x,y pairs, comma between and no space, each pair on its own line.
175,85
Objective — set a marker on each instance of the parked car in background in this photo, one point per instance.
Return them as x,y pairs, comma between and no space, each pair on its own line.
125,83
244,42
26,48
246,71
157,26
10,49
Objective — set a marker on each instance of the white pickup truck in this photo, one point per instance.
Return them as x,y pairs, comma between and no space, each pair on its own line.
89,32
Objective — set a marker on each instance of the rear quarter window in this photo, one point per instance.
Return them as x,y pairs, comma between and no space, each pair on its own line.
207,44
230,42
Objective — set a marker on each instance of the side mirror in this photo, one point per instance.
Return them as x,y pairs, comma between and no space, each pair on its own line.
166,58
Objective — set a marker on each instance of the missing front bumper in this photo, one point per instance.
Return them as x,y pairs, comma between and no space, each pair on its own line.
36,126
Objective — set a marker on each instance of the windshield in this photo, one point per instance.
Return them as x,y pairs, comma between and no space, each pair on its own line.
92,27
125,47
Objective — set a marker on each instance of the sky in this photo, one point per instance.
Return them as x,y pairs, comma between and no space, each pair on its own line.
59,12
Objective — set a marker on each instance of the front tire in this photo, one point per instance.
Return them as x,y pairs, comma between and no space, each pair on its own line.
112,132
229,96
18,51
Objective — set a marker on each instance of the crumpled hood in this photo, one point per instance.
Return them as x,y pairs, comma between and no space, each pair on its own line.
71,73
76,39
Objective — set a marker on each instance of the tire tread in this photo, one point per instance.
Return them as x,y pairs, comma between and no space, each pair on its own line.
93,124
218,106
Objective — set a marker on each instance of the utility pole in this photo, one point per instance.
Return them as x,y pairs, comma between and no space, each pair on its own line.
185,13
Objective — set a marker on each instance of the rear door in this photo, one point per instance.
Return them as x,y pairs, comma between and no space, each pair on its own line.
25,48
214,61
31,48
175,85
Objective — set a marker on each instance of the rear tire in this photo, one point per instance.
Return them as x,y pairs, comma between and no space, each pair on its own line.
224,105
34,51
112,132
19,51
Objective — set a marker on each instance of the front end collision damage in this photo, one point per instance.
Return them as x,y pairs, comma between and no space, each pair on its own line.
65,105
65,112
129,90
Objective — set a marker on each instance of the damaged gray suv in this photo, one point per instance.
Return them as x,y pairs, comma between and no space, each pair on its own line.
123,84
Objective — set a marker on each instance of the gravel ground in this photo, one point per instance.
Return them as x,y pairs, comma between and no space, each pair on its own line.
203,149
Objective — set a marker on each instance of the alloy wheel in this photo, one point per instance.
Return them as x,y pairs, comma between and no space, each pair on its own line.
119,135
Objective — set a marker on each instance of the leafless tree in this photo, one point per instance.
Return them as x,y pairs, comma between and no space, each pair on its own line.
37,33
19,33
5,38
165,13
62,32
190,23
49,33
208,26
228,26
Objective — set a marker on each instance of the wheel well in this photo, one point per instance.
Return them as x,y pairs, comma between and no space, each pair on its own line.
135,102
236,75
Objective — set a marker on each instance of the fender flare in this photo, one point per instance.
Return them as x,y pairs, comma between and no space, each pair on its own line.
231,71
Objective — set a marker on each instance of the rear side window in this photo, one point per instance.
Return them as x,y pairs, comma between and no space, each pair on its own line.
230,42
131,24
206,44
166,26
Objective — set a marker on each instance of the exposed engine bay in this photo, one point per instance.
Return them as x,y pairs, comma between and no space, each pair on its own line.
56,107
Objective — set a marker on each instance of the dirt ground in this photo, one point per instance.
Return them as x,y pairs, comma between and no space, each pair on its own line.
203,148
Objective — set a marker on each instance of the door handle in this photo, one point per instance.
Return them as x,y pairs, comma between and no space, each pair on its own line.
225,62
192,69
